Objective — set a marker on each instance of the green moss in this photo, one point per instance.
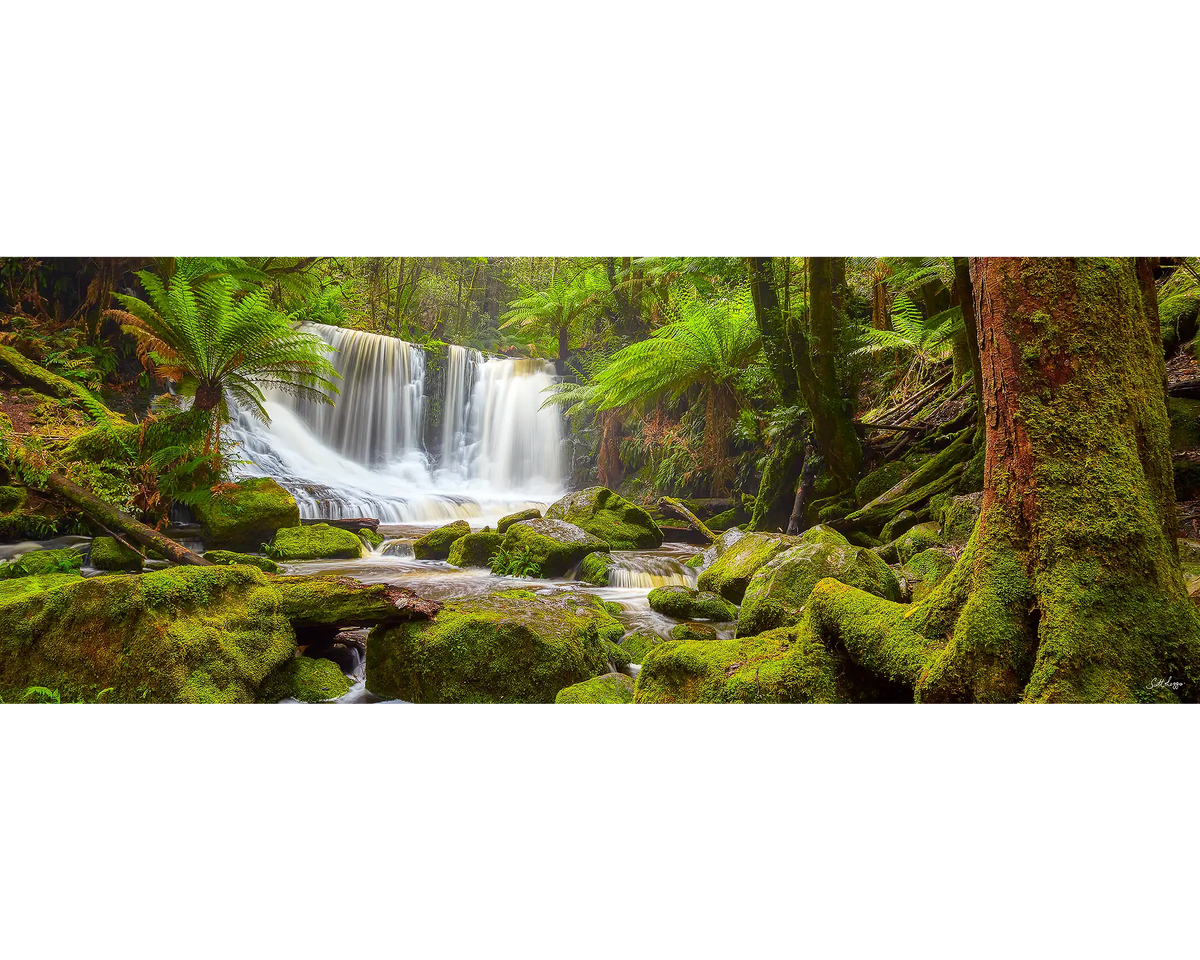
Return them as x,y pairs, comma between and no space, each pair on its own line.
370,536
1184,418
21,587
823,534
880,481
925,570
318,541
555,546
901,523
307,679
474,549
731,572
693,631
38,562
531,513
108,554
225,557
696,560
436,544
12,498
247,516
594,568
684,603
491,649
781,666
778,592
181,635
958,517
921,537
609,516
609,688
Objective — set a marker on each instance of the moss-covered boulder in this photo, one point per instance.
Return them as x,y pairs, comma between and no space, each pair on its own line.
554,546
372,537
958,518
781,666
926,570
247,514
777,593
684,603
594,569
609,516
474,549
900,524
318,541
880,480
731,572
921,537
181,635
106,553
532,513
323,604
436,544
609,688
227,557
492,649
639,644
307,679
693,631
39,562
823,534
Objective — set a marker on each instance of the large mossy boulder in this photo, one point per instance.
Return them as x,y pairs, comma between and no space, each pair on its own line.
594,569
227,557
555,546
731,572
708,556
781,666
684,603
638,644
777,593
39,562
609,688
107,553
245,515
531,513
921,537
436,544
181,635
318,541
609,516
693,631
474,549
307,679
501,648
318,606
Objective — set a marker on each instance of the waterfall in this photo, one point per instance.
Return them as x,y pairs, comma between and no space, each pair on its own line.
365,456
631,571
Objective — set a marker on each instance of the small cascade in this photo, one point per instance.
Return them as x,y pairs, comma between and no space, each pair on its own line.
631,571
400,549
456,408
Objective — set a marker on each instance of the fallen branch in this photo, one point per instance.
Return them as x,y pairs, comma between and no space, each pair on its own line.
672,507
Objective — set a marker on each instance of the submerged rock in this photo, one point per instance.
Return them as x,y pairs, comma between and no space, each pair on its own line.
510,648
109,554
780,666
609,688
609,516
777,593
474,549
247,516
227,557
435,545
308,679
684,603
731,572
317,542
532,513
555,546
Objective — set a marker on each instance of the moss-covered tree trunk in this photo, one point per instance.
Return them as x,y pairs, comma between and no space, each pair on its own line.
1070,589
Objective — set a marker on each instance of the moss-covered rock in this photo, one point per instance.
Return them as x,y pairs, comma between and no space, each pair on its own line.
39,562
109,554
693,631
609,688
308,679
958,518
594,569
491,649
247,514
25,515
318,541
609,516
925,570
880,481
639,644
181,635
781,666
435,545
227,557
823,534
555,546
331,602
776,595
900,524
370,536
684,603
474,549
921,537
731,572
531,513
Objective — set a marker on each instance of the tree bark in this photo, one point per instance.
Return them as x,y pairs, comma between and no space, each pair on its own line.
1070,588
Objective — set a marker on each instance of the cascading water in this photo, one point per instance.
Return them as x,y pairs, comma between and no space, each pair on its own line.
364,455
648,571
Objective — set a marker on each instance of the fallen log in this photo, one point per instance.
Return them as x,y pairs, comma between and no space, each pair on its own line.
673,508
353,524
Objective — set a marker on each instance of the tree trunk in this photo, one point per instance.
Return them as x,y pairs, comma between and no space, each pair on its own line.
964,298
564,341
808,478
833,421
1070,588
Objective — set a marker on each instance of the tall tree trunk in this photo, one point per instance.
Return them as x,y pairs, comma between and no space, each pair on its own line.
564,342
833,417
1070,588
964,298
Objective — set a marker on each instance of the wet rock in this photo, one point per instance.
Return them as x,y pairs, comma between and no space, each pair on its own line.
609,688
373,537
609,516
436,544
684,603
594,569
532,513
247,514
555,546
318,542
474,549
